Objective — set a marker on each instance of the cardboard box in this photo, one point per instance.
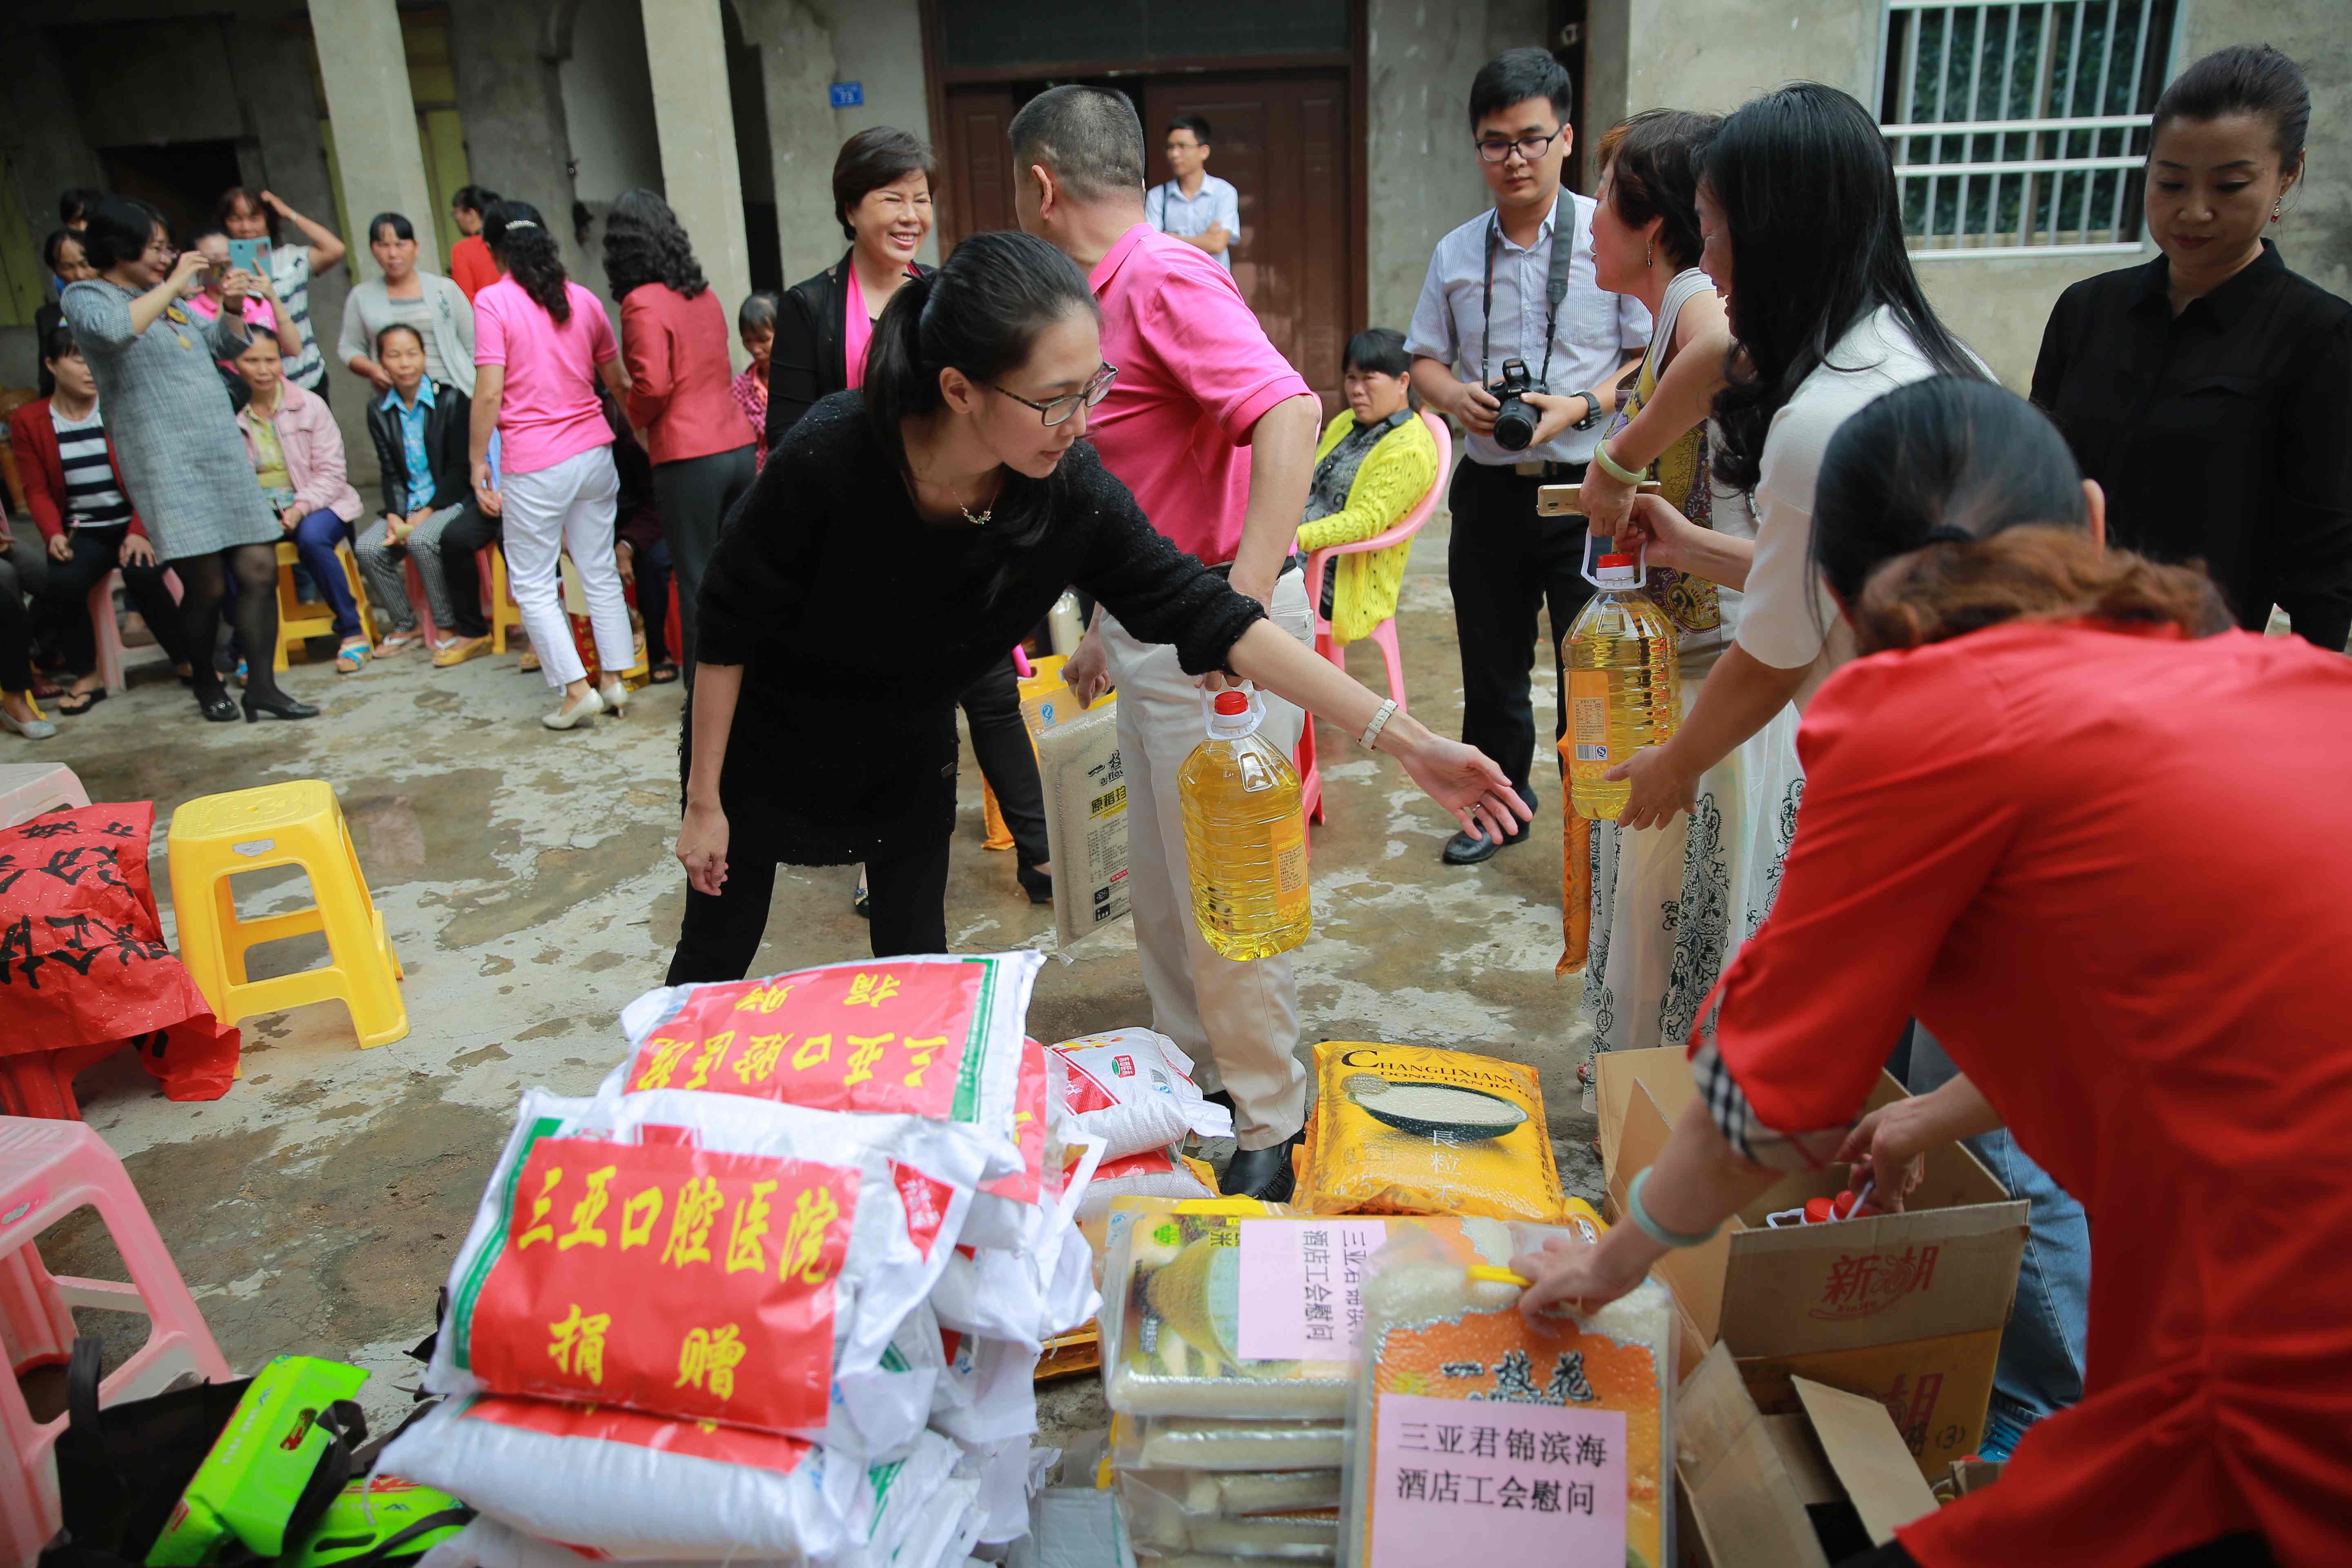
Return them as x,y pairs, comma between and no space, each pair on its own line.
1747,1485
1906,1309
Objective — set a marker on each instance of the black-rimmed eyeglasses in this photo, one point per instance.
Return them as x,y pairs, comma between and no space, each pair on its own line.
1495,150
1057,410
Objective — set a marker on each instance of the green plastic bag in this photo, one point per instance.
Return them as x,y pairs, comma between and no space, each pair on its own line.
379,1519
265,1465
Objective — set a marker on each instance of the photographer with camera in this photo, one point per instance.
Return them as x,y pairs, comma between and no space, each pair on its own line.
1515,341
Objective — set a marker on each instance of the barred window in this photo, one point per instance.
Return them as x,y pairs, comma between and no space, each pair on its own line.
2022,130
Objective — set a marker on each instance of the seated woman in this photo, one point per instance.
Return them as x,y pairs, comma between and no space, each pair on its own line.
17,715
755,324
2095,838
429,515
78,500
1374,464
298,456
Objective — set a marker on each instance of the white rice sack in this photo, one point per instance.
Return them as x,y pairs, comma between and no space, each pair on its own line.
632,1486
700,1257
935,1036
1030,1295
882,1410
986,1393
1134,1089
1011,1211
1003,1472
1154,1174
948,1528
903,1489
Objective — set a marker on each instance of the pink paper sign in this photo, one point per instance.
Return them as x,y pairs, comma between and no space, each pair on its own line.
1298,1287
1528,1483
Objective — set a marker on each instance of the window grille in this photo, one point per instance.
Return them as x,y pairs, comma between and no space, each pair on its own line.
2022,130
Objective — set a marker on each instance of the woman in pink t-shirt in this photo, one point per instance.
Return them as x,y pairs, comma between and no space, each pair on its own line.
540,344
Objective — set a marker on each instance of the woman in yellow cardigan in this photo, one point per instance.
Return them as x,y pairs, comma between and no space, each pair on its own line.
1374,464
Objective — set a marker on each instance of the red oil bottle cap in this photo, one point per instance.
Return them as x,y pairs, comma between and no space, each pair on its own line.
1233,703
1608,560
1818,1212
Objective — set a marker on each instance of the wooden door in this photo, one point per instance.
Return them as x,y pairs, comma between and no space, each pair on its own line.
1284,142
976,181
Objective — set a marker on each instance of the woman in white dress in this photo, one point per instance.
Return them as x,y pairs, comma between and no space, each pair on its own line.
1802,232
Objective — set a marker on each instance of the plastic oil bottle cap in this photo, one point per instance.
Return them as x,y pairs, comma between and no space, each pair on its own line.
1613,570
1233,715
1231,702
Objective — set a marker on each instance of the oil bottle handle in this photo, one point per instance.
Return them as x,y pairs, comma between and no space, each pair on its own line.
1585,569
1209,708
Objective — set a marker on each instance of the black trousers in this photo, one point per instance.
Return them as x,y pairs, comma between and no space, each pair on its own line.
96,552
2246,1551
467,531
907,891
1505,563
695,495
991,705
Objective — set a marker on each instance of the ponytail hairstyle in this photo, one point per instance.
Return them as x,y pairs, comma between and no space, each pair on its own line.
981,312
1953,504
519,241
644,243
1807,192
2245,79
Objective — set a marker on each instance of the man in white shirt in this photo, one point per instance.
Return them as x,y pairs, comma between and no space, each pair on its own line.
1194,204
1502,289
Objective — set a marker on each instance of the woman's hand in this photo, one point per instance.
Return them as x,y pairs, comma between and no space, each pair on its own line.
1652,522
137,549
1579,1275
1467,782
187,278
376,373
236,284
702,849
1608,502
1889,1147
1662,788
1087,671
484,496
625,560
62,547
269,199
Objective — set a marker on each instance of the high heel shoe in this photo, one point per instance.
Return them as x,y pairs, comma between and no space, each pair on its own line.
1038,885
219,708
279,707
615,695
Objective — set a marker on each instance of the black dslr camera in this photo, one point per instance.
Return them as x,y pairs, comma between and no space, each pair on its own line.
1514,422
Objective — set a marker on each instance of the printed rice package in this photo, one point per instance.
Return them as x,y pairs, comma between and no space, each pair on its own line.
702,1257
934,1037
1222,1315
1154,1174
986,1393
1220,1444
1134,1089
1414,1130
1543,1442
635,1487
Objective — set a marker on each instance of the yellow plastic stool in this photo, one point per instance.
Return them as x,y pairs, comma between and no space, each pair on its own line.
299,622
502,610
298,824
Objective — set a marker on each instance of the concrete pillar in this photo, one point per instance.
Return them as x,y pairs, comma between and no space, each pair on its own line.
796,70
685,54
517,139
364,65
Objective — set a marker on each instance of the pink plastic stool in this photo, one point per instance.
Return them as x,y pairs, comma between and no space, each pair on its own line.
424,603
106,634
47,1170
28,789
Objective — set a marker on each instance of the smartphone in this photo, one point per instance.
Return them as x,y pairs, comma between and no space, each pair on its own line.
247,254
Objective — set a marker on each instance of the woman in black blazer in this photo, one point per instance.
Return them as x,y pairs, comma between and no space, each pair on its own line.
429,516
882,194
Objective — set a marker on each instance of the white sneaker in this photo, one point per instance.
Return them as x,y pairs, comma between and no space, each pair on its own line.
615,695
572,715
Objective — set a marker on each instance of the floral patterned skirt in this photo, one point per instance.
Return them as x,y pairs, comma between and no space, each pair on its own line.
1671,905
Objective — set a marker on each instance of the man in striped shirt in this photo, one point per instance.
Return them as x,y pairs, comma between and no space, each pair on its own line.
245,214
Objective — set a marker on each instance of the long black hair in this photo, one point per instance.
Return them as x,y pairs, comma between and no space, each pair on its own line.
520,242
1807,191
56,344
980,313
644,243
1978,489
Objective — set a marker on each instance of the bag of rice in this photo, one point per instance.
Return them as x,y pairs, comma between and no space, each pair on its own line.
1414,1130
987,1390
1009,1211
701,1257
1154,1174
1223,1314
1556,1434
930,1036
1134,1089
880,1411
1024,1299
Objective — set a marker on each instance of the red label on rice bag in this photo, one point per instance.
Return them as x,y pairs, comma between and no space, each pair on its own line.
891,1038
1029,1127
925,1201
1151,1163
681,1281
604,1423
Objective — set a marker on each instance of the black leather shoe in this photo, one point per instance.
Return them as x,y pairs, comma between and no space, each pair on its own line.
220,708
1467,849
1264,1173
279,707
1037,884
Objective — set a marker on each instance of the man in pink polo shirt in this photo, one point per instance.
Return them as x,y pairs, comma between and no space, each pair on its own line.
1214,432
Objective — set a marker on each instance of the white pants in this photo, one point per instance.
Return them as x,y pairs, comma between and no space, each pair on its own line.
547,512
1238,1021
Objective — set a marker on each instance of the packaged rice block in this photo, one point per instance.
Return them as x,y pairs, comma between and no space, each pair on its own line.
936,1037
1224,1444
1414,1130
702,1257
1134,1089
1227,1315
1542,1442
1204,1494
1309,1535
1154,1174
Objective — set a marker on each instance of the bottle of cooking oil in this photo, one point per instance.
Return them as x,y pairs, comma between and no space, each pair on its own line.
1244,836
1624,685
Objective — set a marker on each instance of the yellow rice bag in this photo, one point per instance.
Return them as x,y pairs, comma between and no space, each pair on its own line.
1415,1130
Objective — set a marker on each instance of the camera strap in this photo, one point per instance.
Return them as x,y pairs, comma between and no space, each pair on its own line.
1555,290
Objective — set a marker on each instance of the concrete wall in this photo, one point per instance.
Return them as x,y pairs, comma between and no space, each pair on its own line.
608,103
2315,236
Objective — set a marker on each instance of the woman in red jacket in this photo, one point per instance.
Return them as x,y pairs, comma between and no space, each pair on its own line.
2096,841
674,341
78,500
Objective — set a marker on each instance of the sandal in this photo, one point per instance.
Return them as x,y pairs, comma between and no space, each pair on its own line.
395,642
352,658
73,704
662,673
529,662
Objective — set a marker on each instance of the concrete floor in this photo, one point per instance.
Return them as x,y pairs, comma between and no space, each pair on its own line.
527,881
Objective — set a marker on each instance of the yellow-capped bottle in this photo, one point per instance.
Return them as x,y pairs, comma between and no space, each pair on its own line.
1624,685
1244,836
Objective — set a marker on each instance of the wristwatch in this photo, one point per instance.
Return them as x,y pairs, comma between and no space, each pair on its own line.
1593,411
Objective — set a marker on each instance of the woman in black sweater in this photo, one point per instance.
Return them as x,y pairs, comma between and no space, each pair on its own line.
949,488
